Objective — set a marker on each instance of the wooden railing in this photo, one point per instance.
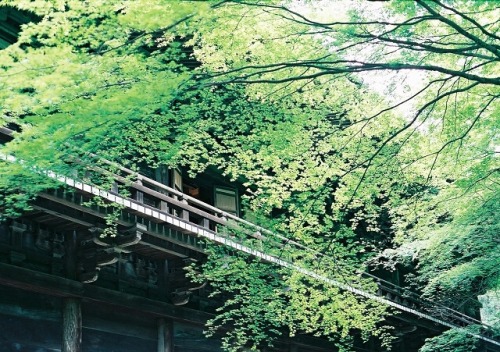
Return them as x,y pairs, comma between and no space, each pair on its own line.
157,195
411,299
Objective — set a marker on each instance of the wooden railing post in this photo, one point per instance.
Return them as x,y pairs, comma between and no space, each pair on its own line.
114,187
205,223
164,206
184,212
139,196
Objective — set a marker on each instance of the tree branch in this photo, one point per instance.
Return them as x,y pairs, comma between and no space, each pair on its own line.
492,48
368,162
348,66
461,137
467,18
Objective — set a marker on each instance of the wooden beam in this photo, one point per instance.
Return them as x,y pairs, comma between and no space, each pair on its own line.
164,250
81,208
7,132
35,281
123,223
62,216
166,246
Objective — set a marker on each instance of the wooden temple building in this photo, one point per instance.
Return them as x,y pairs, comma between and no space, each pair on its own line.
65,288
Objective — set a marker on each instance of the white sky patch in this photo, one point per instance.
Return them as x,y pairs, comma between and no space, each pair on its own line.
394,86
322,11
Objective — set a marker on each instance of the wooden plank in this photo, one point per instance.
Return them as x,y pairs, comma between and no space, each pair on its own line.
6,133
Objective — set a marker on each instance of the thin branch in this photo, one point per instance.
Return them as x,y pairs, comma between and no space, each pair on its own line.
467,18
428,113
310,22
492,48
471,186
29,69
368,119
287,85
416,46
368,162
438,152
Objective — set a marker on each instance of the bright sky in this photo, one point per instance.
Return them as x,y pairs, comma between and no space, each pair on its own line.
395,86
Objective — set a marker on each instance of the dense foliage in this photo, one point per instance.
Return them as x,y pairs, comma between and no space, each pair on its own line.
283,100
452,341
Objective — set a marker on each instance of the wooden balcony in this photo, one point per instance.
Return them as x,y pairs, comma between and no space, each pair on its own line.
170,220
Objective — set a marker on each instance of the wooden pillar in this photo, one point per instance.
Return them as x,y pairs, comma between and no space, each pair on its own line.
163,278
164,206
205,223
72,311
72,325
184,213
165,335
70,256
139,196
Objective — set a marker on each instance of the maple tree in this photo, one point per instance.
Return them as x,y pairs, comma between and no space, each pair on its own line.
282,97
